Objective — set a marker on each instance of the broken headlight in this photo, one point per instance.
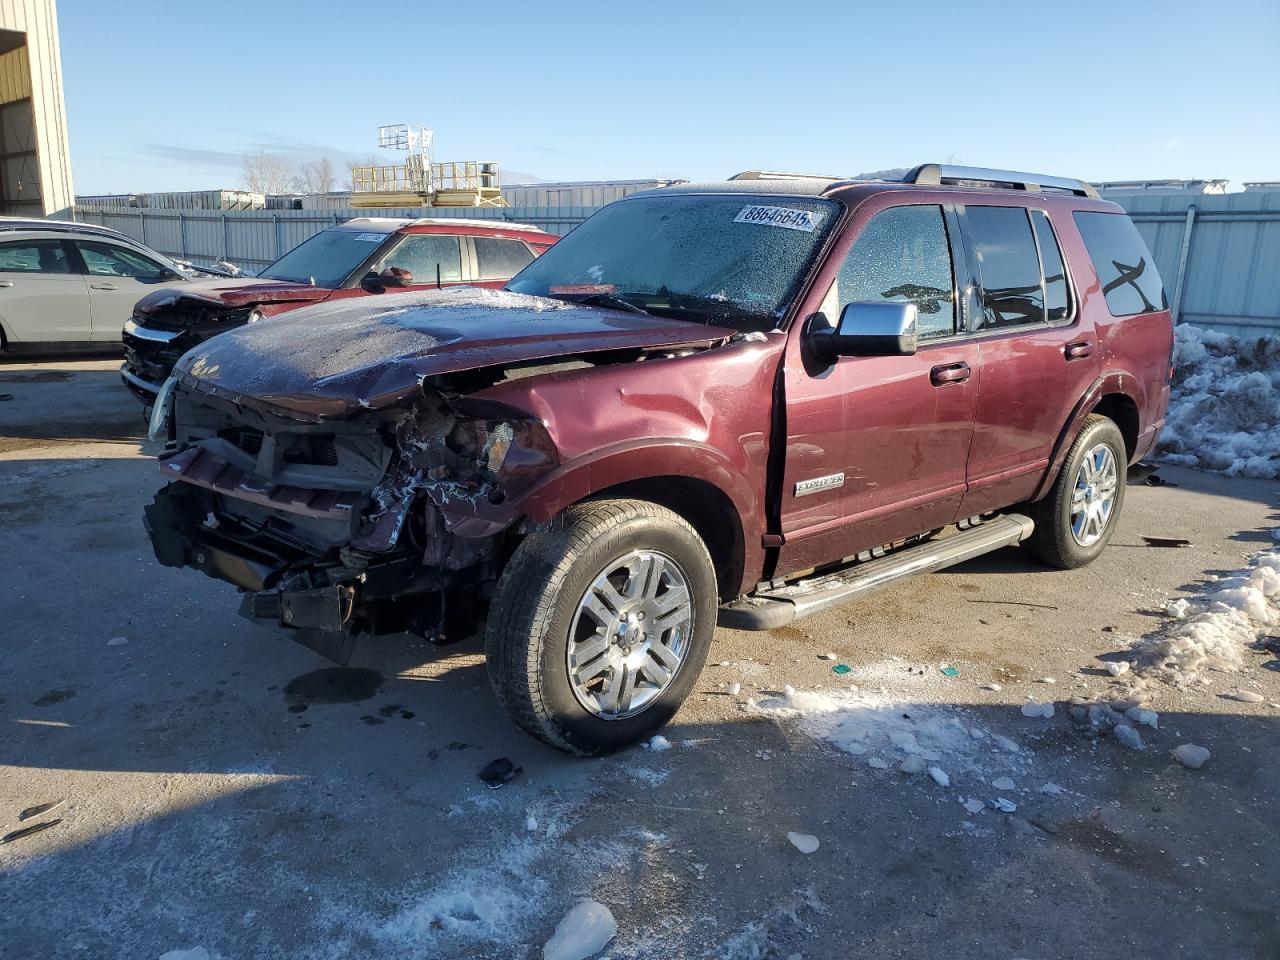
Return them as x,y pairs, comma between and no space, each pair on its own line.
162,412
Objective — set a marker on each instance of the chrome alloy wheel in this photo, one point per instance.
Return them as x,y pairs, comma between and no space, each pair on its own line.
1094,496
630,634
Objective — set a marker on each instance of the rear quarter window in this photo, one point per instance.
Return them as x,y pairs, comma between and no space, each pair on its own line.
1130,281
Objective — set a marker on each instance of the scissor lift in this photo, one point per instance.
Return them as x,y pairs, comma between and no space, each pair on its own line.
420,182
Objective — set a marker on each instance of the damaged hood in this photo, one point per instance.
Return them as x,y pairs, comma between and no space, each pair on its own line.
368,353
232,293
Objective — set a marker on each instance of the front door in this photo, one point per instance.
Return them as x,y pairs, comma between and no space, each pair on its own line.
43,299
876,446
118,278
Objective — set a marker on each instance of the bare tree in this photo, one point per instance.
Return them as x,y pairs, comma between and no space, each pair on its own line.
264,172
315,177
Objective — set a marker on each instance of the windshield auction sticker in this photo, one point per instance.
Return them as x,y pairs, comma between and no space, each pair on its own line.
778,217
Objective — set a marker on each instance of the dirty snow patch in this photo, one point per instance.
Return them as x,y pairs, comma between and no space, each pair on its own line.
584,932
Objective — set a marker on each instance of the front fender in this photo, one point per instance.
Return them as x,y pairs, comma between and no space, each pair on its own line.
646,459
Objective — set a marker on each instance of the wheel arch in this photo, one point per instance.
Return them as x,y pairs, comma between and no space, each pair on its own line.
1116,395
695,481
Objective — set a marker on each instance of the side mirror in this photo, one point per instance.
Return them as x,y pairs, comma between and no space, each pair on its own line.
866,329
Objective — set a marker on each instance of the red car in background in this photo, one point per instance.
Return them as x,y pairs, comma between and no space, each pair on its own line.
362,257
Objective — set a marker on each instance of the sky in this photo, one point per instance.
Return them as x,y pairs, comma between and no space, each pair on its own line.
165,96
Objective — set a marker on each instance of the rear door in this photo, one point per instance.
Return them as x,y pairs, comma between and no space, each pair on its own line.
495,260
118,278
1037,357
877,446
43,298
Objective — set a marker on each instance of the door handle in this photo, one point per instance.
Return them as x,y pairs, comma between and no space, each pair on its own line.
6,283
949,373
104,286
1078,350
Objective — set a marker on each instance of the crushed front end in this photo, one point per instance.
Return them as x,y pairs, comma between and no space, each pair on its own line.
385,521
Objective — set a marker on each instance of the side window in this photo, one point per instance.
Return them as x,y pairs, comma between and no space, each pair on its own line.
1057,303
902,255
34,256
419,254
1123,263
1008,266
108,260
501,259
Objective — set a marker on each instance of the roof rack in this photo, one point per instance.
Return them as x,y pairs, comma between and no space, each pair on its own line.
780,175
936,174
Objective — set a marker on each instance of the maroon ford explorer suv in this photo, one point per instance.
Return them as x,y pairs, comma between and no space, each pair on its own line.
744,401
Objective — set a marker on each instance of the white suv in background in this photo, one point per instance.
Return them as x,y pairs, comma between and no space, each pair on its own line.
65,285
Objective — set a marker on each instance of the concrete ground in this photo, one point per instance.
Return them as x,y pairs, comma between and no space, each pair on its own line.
220,790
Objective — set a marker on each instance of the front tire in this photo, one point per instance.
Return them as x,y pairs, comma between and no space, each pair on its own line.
601,624
1075,521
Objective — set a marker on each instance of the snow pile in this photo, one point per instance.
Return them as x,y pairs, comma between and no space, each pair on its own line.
911,737
1214,631
1224,410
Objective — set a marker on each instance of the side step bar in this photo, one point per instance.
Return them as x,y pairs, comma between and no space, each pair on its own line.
779,606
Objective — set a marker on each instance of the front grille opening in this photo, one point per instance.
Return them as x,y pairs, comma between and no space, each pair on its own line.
246,438
315,449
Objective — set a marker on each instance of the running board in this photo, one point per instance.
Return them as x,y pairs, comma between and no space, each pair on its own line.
779,606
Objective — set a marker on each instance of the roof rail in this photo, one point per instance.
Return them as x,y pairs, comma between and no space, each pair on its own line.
33,223
780,175
936,174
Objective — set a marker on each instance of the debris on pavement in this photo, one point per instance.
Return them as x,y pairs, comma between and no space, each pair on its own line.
38,809
1191,755
1166,541
912,765
950,671
1037,710
827,656
1130,737
940,776
974,805
117,641
1002,783
841,668
28,831
804,842
1247,696
658,743
584,932
1117,667
734,689
992,686
1004,805
499,772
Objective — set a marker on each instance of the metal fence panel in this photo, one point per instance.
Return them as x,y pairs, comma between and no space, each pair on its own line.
252,239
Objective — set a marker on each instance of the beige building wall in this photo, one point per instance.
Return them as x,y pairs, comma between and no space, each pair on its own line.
35,155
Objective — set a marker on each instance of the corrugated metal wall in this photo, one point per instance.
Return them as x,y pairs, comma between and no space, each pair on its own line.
1219,256
252,239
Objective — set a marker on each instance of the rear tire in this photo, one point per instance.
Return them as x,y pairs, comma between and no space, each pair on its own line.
610,582
1075,521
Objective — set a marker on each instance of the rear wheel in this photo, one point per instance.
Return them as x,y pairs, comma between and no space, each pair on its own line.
600,625
1075,521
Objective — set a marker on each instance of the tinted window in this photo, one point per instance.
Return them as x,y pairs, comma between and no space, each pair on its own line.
106,260
34,256
420,255
1056,298
501,259
902,255
1122,262
1008,266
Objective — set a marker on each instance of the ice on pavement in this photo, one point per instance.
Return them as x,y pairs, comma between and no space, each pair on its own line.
1002,783
1191,755
657,743
804,842
1224,408
912,737
1128,736
1037,710
584,932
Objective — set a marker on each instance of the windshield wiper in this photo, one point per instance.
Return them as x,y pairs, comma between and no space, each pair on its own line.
610,300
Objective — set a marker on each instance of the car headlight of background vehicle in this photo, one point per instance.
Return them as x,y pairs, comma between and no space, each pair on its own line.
162,412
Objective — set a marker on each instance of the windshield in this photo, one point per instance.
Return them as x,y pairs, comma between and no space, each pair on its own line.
714,259
328,258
